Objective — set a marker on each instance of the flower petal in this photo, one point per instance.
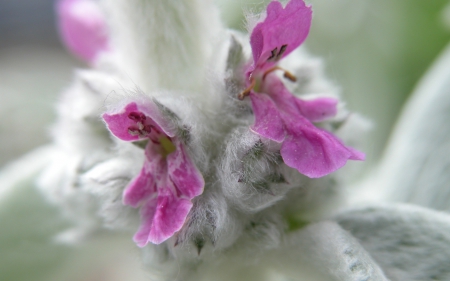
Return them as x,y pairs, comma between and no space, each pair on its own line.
83,28
284,100
121,122
312,151
317,110
140,188
145,184
164,214
147,211
281,32
171,213
161,217
183,172
268,122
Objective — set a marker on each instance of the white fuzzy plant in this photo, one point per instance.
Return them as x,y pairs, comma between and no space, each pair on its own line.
248,212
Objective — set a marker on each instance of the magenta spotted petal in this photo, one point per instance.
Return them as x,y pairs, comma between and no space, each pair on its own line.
280,33
137,122
148,211
168,180
279,115
184,174
146,183
83,28
139,189
171,213
312,151
162,216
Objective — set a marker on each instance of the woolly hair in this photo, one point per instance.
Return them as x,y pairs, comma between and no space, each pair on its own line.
251,198
164,44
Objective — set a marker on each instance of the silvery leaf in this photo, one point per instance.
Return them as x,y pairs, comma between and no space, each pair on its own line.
408,242
325,251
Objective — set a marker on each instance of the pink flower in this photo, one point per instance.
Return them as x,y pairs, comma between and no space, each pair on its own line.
279,115
83,28
168,180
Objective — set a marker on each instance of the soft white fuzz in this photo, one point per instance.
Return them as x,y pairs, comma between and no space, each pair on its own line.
164,44
408,242
176,54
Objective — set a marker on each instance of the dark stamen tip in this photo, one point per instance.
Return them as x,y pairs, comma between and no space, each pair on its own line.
137,116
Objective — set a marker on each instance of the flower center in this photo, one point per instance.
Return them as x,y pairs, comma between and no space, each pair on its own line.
257,80
142,128
167,146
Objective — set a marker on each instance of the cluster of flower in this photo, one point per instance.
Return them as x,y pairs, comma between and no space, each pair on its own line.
236,157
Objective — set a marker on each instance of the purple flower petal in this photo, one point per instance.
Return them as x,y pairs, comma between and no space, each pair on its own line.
184,174
168,179
119,123
162,217
317,110
136,122
139,189
284,100
147,211
280,33
312,151
145,184
268,122
169,218
83,28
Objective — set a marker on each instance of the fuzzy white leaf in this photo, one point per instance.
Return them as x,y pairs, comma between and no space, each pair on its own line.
324,251
408,242
415,166
163,44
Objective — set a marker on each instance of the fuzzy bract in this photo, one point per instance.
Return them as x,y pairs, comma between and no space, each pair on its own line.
83,28
279,115
168,180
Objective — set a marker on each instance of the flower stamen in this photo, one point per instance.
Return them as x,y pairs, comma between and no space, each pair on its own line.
286,74
247,91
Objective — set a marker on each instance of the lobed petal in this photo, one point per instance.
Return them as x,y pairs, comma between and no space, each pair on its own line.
83,28
268,122
146,183
148,211
287,27
175,180
317,110
153,112
284,100
183,173
312,151
170,215
119,123
139,189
